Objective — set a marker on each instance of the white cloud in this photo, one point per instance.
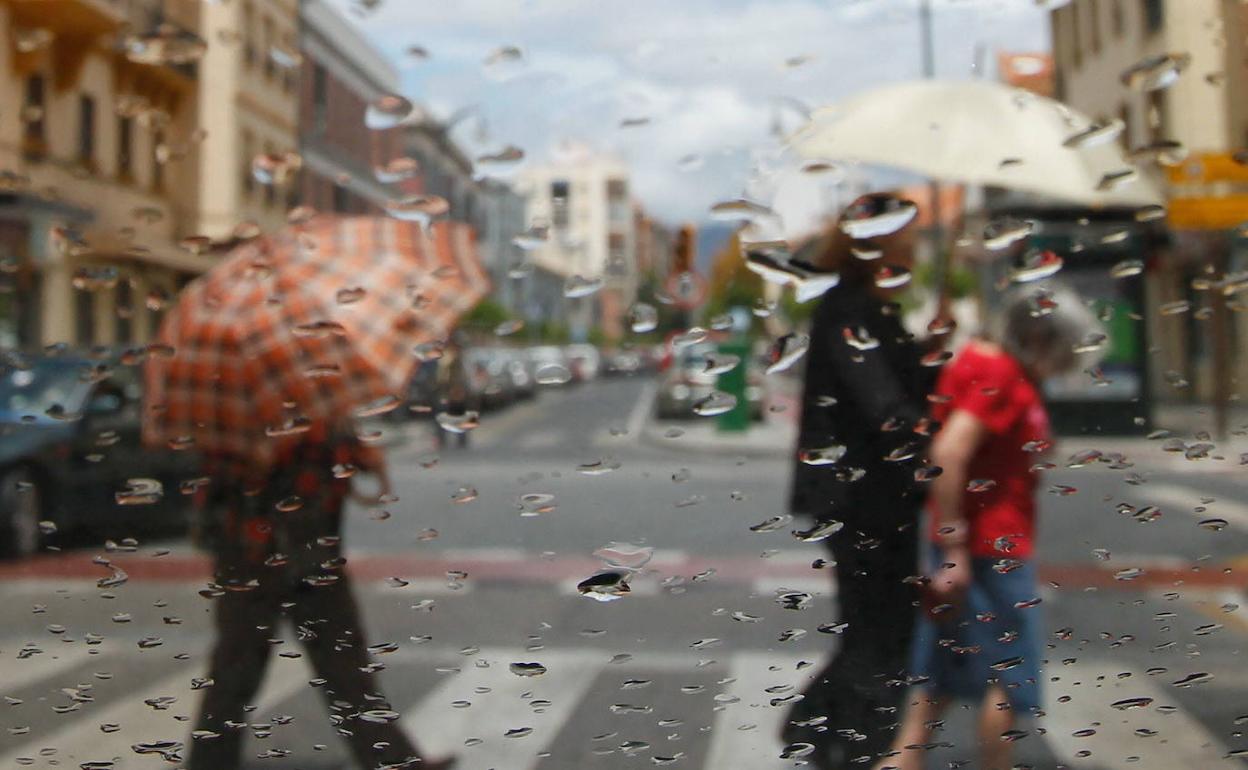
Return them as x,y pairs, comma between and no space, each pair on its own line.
707,73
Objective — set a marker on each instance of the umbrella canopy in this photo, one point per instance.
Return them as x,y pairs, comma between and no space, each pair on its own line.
980,133
310,326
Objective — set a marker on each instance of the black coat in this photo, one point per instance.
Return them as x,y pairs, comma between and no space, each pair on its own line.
868,401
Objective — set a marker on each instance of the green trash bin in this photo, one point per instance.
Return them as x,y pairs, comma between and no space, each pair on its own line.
733,382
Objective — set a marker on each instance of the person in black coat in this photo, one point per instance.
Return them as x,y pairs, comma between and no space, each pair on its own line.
862,435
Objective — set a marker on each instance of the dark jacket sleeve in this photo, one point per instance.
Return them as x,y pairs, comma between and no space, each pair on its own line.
873,383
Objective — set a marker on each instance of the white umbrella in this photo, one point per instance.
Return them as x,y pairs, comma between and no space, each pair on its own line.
980,133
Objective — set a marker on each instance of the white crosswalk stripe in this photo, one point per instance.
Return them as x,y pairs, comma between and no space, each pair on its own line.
1104,716
747,726
496,718
1098,714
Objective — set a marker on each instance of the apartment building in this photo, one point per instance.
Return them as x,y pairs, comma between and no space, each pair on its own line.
586,200
97,94
1174,72
346,168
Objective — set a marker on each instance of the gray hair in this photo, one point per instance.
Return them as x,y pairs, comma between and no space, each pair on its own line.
1048,328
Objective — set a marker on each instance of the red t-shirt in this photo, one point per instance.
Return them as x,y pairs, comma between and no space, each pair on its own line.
999,503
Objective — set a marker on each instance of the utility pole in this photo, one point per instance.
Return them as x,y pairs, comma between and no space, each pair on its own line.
927,48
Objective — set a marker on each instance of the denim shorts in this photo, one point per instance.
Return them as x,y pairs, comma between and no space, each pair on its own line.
994,637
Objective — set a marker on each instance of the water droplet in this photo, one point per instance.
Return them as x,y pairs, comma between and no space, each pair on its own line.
504,63
527,669
828,455
379,716
793,600
140,492
1150,213
1037,266
1127,268
787,351
715,364
860,340
417,208
388,112
1000,234
773,524
1095,135
1164,152
458,423
1214,525
820,531
625,555
691,336
507,155
1174,308
718,402
739,209
578,286
535,237
271,168
892,277
643,318
878,217
163,47
1112,180
605,586
553,374
599,467
507,328
396,170
797,750
1192,679
1155,72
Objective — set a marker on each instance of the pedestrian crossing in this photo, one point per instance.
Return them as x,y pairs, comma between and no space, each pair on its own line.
505,708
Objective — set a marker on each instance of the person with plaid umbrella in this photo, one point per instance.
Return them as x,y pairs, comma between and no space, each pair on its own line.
263,367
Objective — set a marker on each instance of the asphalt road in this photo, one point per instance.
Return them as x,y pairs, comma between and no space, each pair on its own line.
683,670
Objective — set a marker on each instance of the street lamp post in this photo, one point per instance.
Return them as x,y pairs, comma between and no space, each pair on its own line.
928,52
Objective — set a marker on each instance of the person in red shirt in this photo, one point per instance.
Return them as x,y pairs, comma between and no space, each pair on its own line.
979,634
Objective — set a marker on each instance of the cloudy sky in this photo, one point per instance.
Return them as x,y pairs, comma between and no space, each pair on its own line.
687,91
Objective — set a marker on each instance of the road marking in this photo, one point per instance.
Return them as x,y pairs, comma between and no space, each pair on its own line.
1115,744
16,674
486,702
82,740
746,732
1186,498
641,410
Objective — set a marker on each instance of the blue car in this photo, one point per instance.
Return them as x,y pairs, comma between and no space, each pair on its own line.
71,456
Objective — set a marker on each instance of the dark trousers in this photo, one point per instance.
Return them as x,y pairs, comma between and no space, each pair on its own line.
327,622
861,690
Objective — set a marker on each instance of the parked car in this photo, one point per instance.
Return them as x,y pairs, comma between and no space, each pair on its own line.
583,361
623,363
547,362
686,382
489,381
521,371
71,455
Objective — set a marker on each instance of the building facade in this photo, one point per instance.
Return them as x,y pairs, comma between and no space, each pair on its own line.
586,200
342,74
1184,132
247,104
98,95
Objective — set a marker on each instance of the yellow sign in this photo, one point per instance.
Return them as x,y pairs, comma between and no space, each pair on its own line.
1208,168
1209,213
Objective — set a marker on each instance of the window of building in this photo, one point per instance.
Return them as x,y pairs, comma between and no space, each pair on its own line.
266,43
1094,25
320,98
560,201
617,189
1117,18
1158,127
341,199
1076,36
125,141
248,152
84,318
1154,15
86,130
249,31
35,117
158,166
124,299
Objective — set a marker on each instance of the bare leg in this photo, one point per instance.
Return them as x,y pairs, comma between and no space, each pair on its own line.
995,717
921,712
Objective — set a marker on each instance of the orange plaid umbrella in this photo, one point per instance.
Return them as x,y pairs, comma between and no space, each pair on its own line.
300,330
